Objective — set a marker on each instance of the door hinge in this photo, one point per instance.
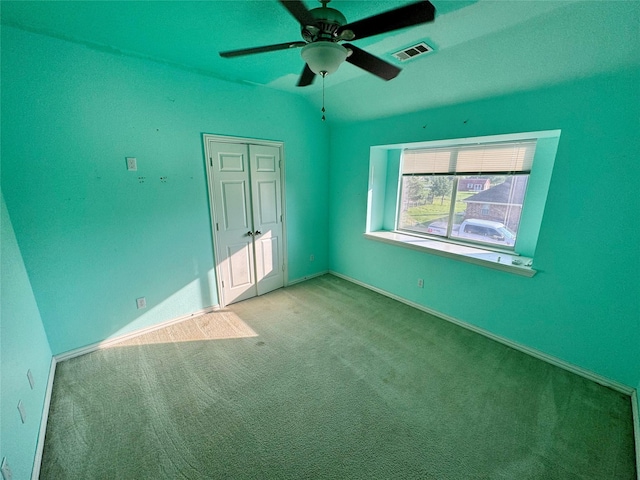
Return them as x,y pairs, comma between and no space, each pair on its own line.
283,267
280,218
217,227
222,283
211,161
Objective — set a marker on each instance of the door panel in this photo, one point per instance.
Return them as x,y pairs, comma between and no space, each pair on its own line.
269,256
240,269
234,205
267,203
229,162
265,163
239,281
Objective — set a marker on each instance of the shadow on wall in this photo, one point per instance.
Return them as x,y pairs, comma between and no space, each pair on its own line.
160,311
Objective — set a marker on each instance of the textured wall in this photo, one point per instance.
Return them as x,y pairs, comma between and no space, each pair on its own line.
23,346
582,306
93,237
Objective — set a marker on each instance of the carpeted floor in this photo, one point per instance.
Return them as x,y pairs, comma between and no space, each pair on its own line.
326,379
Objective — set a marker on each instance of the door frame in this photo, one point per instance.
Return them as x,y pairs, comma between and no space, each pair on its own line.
206,138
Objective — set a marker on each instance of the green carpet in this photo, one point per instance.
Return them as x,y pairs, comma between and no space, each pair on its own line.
340,382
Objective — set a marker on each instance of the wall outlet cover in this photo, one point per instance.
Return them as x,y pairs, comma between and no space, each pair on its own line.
6,470
141,302
23,413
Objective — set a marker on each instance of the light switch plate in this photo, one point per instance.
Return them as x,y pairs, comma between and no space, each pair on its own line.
23,413
132,164
6,471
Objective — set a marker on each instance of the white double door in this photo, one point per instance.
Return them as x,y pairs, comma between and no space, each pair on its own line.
245,188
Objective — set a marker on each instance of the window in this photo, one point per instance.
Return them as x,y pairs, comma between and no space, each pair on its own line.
467,193
395,196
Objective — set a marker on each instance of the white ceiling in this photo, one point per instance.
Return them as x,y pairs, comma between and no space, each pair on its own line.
481,47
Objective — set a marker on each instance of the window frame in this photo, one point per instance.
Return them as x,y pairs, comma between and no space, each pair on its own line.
383,196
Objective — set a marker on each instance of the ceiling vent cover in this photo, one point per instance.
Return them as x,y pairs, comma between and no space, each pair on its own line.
413,51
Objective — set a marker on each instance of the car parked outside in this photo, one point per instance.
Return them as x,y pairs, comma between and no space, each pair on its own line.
476,230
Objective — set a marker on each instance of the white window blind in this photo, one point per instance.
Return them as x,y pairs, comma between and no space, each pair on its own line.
512,157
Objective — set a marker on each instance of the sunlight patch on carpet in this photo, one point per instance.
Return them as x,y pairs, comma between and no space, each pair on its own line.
219,325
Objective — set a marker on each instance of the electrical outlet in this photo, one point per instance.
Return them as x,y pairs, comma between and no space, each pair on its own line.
132,164
6,470
420,283
23,413
312,257
30,377
141,302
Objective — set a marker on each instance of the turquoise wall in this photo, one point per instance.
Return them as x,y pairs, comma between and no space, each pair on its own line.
93,237
582,306
23,346
90,237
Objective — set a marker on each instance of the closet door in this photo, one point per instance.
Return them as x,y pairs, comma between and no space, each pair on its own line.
245,188
267,216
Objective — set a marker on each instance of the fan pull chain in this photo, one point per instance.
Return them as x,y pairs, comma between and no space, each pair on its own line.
323,110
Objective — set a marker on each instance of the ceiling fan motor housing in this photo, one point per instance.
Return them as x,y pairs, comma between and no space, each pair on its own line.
328,20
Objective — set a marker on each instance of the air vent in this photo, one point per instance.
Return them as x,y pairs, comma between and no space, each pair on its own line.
413,51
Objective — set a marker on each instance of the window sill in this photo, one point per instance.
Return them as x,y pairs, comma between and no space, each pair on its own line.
477,256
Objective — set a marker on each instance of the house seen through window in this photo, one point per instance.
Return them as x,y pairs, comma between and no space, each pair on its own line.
467,193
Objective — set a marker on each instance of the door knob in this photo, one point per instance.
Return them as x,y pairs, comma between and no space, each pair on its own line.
257,232
250,233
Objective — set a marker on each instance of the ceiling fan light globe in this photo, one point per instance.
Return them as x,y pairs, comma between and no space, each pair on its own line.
324,58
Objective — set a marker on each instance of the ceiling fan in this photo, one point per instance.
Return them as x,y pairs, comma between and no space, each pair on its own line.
323,29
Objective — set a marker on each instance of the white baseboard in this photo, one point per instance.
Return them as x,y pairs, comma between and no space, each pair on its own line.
636,429
37,461
308,277
127,336
620,387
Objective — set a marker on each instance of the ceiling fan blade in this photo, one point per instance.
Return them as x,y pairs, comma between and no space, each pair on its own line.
297,9
371,63
407,16
266,48
307,77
